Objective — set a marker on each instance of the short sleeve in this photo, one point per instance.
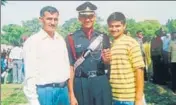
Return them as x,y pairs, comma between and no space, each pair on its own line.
136,55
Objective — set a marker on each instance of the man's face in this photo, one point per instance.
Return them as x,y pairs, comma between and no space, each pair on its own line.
116,28
140,35
50,21
87,21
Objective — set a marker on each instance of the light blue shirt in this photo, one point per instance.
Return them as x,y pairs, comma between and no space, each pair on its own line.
166,41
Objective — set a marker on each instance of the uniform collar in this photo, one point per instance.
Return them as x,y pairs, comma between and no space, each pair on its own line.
45,35
82,34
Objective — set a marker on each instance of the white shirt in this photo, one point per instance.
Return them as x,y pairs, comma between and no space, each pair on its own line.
46,61
16,53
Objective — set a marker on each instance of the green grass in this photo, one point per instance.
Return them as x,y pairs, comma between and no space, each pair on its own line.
155,95
159,95
12,94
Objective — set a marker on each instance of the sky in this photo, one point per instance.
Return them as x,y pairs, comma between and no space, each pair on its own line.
16,11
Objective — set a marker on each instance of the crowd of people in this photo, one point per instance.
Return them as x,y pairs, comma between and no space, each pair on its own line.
87,68
12,65
163,55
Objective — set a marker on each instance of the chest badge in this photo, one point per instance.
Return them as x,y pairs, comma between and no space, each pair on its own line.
78,46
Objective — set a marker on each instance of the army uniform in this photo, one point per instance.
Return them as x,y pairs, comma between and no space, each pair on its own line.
91,84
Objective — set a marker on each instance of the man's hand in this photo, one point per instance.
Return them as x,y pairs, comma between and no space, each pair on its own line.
73,100
139,102
106,55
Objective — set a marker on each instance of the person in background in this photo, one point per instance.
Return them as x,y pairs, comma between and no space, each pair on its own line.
127,32
166,40
140,39
15,57
172,60
157,59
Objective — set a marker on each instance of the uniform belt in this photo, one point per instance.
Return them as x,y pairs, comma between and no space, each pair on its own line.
59,85
89,74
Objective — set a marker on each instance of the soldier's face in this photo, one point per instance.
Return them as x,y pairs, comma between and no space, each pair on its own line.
50,21
87,21
116,28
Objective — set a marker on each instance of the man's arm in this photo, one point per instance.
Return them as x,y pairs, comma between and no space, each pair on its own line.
73,100
139,83
138,64
30,72
70,86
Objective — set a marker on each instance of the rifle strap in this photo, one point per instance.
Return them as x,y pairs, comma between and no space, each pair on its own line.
72,45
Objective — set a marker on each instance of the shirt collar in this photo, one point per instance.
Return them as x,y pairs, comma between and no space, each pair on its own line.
119,38
45,35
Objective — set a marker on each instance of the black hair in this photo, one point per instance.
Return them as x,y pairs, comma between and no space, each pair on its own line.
49,9
117,16
138,31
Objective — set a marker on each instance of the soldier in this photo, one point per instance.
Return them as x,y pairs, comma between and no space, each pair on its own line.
172,60
91,85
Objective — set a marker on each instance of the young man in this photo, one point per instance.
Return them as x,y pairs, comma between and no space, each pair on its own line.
46,63
127,65
91,85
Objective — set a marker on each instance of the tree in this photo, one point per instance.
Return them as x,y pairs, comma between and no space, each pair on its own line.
32,26
148,27
12,33
171,25
131,26
69,26
73,24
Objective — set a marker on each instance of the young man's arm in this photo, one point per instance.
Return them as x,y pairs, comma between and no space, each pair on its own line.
139,85
138,65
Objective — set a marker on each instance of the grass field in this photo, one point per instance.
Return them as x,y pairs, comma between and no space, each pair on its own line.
155,95
12,94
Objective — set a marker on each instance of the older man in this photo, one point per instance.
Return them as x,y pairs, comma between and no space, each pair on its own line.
46,62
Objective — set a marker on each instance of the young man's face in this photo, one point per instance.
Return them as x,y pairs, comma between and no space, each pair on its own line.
50,21
87,21
116,28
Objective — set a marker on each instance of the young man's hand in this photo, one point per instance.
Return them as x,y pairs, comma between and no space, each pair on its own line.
106,55
139,102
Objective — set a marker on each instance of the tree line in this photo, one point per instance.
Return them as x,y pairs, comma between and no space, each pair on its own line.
14,33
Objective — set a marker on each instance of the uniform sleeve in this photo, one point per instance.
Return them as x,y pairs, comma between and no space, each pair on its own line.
70,55
135,55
